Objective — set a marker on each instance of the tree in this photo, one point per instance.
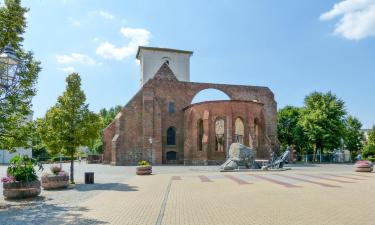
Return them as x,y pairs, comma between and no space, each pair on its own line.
371,136
69,123
107,117
290,132
322,119
16,106
353,136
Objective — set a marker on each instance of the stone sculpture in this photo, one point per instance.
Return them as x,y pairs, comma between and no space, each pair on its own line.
239,154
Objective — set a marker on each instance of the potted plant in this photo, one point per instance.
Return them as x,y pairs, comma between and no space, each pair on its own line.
58,179
21,180
144,168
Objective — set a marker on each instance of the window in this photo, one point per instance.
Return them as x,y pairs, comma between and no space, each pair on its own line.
239,130
171,107
171,136
219,133
257,132
200,135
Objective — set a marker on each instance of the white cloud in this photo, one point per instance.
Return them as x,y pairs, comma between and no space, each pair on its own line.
75,58
74,22
136,36
357,18
106,15
68,69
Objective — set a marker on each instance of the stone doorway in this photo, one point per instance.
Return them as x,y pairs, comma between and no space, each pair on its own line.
171,157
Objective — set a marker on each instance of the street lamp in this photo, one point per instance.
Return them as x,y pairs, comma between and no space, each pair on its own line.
9,64
150,140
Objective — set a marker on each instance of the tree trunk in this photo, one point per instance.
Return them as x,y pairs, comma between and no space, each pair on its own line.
72,167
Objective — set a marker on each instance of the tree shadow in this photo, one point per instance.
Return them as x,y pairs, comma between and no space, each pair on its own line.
105,186
39,211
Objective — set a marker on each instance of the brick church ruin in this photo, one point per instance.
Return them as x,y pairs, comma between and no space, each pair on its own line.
160,124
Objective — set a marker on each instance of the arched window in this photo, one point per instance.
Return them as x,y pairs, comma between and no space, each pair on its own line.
171,136
210,94
171,107
200,135
239,130
219,135
257,133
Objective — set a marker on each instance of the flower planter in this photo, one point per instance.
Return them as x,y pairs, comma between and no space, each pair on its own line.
363,166
16,190
55,182
144,170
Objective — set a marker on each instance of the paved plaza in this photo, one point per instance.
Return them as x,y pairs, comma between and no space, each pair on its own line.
315,194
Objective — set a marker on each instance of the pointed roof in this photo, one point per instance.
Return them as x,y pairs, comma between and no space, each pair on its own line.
165,73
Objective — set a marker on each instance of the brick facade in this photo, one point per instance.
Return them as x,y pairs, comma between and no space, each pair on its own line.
126,139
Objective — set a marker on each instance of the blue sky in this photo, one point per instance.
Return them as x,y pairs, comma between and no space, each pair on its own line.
292,46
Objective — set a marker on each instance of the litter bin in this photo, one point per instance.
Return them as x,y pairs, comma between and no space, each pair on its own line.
89,177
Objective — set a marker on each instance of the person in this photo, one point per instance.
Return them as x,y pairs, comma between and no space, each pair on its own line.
359,157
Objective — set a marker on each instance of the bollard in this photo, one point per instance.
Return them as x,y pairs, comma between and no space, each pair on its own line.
89,177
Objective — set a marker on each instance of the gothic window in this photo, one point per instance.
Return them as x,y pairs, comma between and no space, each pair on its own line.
200,135
171,136
171,107
257,133
239,130
219,135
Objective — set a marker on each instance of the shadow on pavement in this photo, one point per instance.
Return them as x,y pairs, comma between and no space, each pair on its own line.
105,186
40,211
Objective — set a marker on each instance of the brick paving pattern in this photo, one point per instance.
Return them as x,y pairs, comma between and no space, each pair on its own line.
319,195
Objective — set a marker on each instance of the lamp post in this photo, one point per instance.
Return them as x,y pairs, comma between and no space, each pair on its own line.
150,140
9,65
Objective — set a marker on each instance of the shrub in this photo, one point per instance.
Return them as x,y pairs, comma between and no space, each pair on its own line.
368,151
55,169
143,163
21,168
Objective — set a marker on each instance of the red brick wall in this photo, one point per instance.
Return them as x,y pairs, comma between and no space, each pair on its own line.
147,115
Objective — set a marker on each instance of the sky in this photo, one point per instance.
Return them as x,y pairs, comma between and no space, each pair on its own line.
293,47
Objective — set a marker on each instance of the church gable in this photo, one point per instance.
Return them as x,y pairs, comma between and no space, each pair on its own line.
165,73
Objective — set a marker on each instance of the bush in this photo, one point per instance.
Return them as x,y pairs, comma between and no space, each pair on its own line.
143,163
372,159
63,158
368,151
21,168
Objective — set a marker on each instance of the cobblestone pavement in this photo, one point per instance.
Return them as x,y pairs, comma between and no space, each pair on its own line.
324,194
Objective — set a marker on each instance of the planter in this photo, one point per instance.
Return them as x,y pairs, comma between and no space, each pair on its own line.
363,166
16,190
55,182
144,170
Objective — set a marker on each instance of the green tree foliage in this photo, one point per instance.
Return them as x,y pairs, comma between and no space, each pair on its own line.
107,117
290,132
371,136
369,151
322,120
69,123
16,107
353,135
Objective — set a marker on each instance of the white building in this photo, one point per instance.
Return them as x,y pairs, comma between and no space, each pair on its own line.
151,59
5,156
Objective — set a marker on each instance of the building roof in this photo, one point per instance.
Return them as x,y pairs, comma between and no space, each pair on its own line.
165,73
162,49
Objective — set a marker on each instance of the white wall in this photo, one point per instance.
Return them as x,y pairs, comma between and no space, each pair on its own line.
5,156
151,61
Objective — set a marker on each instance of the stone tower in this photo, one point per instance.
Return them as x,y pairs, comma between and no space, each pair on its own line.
151,59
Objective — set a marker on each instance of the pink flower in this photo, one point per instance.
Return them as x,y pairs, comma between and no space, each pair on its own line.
62,173
7,179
